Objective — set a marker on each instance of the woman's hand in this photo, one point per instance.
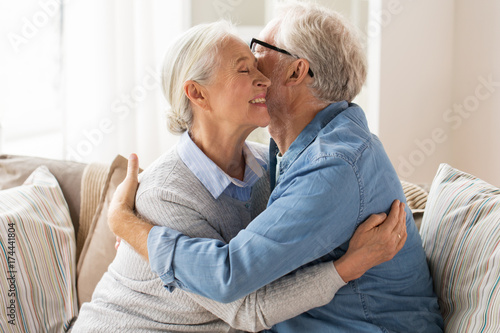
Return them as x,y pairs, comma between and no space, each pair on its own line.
376,240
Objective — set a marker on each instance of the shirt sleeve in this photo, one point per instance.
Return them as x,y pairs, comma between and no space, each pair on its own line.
282,299
318,212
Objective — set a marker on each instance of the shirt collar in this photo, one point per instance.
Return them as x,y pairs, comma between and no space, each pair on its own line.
210,175
310,132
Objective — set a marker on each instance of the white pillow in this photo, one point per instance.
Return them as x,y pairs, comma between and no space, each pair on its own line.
461,236
37,259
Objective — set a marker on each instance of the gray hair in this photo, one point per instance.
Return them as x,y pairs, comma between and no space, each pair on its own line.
193,56
330,44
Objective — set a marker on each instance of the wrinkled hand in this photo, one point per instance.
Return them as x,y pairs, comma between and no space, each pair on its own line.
377,240
381,238
123,201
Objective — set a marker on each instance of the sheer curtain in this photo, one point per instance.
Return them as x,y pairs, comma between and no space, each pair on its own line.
112,57
30,108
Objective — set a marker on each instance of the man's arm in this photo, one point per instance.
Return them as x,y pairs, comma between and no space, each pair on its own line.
136,232
309,287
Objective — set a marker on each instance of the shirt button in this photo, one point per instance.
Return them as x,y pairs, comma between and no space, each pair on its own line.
247,205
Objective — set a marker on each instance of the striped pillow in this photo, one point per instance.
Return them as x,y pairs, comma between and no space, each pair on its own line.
37,258
461,236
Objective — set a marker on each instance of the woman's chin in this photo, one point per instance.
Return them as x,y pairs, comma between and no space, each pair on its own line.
262,114
263,121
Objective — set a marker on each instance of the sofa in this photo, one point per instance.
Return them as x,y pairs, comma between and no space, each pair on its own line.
56,242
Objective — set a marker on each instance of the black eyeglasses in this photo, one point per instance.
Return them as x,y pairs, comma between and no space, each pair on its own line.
275,48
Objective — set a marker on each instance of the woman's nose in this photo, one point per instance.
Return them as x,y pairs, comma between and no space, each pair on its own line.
263,81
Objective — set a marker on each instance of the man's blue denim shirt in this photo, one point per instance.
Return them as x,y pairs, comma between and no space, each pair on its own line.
334,175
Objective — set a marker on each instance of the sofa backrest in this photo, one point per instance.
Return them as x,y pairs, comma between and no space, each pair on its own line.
14,170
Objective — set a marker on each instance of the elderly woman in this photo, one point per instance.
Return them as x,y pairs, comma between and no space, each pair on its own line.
200,187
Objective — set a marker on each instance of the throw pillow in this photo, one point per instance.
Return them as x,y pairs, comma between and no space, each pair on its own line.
461,236
37,257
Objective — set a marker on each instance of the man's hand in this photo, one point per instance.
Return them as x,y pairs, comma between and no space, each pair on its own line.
377,240
117,243
124,195
121,217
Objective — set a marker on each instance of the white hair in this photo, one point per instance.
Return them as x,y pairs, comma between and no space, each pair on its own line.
330,44
193,56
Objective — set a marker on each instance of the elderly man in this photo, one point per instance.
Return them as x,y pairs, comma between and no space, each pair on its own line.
330,174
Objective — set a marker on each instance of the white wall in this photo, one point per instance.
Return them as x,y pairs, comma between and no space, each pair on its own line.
434,106
416,85
476,133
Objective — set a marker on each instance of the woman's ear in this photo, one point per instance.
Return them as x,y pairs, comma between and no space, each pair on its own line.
297,72
196,94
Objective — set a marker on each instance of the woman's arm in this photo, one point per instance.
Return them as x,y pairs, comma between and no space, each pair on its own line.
312,286
285,298
288,296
